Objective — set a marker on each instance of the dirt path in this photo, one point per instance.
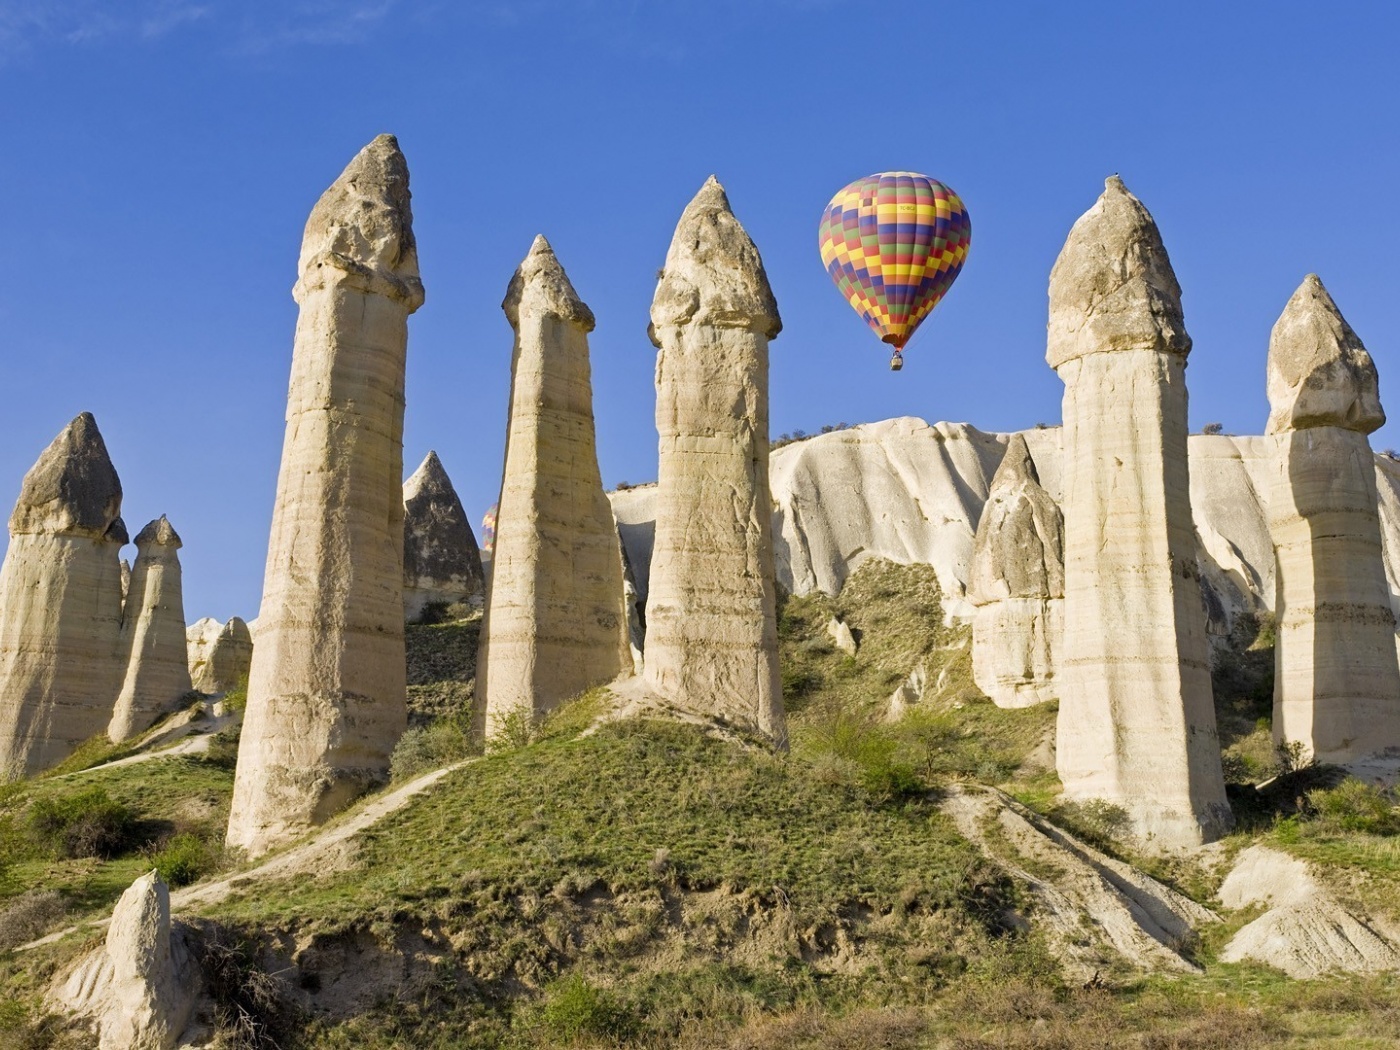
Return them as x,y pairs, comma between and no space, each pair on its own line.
314,855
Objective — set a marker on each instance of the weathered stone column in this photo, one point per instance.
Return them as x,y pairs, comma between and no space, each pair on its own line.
1136,720
555,623
441,563
1017,583
712,640
1336,682
153,635
220,655
326,691
60,604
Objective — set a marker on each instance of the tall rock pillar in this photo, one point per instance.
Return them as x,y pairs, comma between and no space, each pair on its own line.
153,635
711,634
1017,583
61,604
1336,682
1137,719
326,690
555,623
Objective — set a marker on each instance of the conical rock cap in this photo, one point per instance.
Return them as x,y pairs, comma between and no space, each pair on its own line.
713,273
1112,287
540,284
1018,551
1319,373
72,489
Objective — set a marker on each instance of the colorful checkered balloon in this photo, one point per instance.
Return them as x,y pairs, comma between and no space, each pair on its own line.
894,244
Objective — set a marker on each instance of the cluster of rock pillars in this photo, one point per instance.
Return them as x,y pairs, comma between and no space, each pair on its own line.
1094,601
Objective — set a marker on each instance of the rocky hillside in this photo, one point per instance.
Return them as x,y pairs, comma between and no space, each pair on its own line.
912,492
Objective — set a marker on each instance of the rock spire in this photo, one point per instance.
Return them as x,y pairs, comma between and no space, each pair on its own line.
326,691
153,635
555,622
711,634
1336,681
1136,719
441,563
1018,585
61,603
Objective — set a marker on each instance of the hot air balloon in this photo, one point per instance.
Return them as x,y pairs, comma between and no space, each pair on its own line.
488,530
894,243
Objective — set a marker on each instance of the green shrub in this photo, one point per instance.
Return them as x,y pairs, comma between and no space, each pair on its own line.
575,1010
1356,806
185,858
223,747
29,916
1094,820
87,824
425,748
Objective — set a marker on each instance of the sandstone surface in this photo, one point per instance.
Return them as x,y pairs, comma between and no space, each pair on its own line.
61,604
555,622
1136,719
1305,931
326,690
712,643
1017,585
220,655
1337,681
441,562
153,635
140,988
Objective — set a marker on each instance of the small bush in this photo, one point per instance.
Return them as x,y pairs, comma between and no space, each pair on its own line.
185,858
235,701
516,730
223,747
250,1007
429,747
30,916
1356,806
88,824
1096,821
575,1010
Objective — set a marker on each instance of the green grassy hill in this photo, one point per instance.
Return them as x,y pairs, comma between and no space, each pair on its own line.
654,884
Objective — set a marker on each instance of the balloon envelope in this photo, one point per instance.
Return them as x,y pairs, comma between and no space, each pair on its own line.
488,529
894,244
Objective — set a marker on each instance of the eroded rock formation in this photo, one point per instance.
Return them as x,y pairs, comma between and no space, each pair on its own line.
1336,684
61,603
555,622
326,691
153,635
1018,585
1136,719
711,642
219,655
441,563
140,988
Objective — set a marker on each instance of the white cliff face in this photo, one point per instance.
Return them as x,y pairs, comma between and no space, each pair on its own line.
1337,683
326,691
441,562
1017,585
139,989
153,635
61,604
711,629
1136,721
555,622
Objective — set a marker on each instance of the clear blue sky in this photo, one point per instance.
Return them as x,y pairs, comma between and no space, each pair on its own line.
161,157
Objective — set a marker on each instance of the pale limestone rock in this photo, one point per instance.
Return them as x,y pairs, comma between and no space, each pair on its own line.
1306,932
60,604
326,691
1136,719
1337,682
153,635
220,655
441,563
1018,585
126,581
712,640
840,634
555,622
909,694
140,988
